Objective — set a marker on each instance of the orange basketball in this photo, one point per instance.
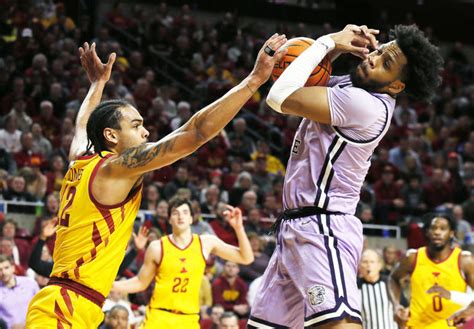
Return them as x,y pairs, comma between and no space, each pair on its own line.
319,76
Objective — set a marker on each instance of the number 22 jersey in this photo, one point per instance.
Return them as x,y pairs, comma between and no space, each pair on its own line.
430,311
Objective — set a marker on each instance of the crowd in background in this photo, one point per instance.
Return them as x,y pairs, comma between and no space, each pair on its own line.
425,162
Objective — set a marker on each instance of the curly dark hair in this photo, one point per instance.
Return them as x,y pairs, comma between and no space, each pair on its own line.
106,115
421,75
428,218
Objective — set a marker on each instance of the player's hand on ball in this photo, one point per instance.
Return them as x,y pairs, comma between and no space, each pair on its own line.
95,69
265,63
234,217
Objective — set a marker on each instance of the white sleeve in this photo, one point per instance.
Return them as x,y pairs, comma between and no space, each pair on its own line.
295,75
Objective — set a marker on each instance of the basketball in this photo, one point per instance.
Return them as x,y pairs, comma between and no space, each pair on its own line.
319,76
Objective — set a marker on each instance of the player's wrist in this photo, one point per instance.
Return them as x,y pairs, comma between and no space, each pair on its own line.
253,82
328,42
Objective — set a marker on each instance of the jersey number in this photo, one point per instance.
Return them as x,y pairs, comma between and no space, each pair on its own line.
437,303
180,285
64,215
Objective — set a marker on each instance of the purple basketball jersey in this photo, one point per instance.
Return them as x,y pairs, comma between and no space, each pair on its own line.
328,164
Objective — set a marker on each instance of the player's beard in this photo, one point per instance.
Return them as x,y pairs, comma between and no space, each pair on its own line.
365,83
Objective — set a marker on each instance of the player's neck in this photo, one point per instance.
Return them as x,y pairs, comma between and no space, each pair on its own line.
439,255
182,238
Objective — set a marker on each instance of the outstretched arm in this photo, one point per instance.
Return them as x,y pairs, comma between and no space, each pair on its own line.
242,254
202,126
288,94
148,270
98,74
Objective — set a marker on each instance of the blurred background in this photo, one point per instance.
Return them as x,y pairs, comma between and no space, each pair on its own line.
175,57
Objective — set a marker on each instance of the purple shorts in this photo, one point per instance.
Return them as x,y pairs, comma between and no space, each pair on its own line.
311,278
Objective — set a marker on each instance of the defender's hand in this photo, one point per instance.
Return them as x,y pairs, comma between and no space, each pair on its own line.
441,291
95,69
265,63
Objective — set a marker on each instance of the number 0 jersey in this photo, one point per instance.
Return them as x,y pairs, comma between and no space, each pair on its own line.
179,277
91,238
429,311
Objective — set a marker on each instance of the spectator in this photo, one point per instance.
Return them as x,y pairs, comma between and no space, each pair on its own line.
20,248
228,320
18,110
431,190
41,144
181,180
222,228
241,185
463,228
389,202
241,145
377,309
256,269
160,220
17,190
199,225
468,207
253,222
46,119
26,157
35,181
117,298
10,135
16,292
211,198
261,176
249,201
398,154
56,174
390,259
116,318
413,196
213,323
184,113
7,162
230,290
151,199
274,165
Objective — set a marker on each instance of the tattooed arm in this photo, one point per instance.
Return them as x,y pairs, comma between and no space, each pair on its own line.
202,126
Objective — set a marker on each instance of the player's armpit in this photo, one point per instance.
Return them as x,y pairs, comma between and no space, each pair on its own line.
309,102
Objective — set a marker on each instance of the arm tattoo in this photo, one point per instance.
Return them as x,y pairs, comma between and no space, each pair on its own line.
139,156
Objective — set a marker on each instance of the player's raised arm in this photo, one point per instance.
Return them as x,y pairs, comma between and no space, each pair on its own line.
242,254
401,270
98,75
148,270
202,126
288,94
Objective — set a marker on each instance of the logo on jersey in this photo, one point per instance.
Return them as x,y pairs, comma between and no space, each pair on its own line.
317,295
295,146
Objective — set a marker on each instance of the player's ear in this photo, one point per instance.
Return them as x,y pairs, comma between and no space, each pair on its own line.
396,87
111,135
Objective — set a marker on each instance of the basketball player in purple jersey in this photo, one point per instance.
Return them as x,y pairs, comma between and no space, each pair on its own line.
311,278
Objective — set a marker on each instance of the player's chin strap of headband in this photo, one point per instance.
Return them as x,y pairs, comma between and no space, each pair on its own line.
295,75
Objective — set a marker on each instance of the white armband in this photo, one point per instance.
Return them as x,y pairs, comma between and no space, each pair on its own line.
295,75
461,298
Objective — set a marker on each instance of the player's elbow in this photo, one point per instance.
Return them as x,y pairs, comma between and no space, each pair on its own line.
248,259
273,101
